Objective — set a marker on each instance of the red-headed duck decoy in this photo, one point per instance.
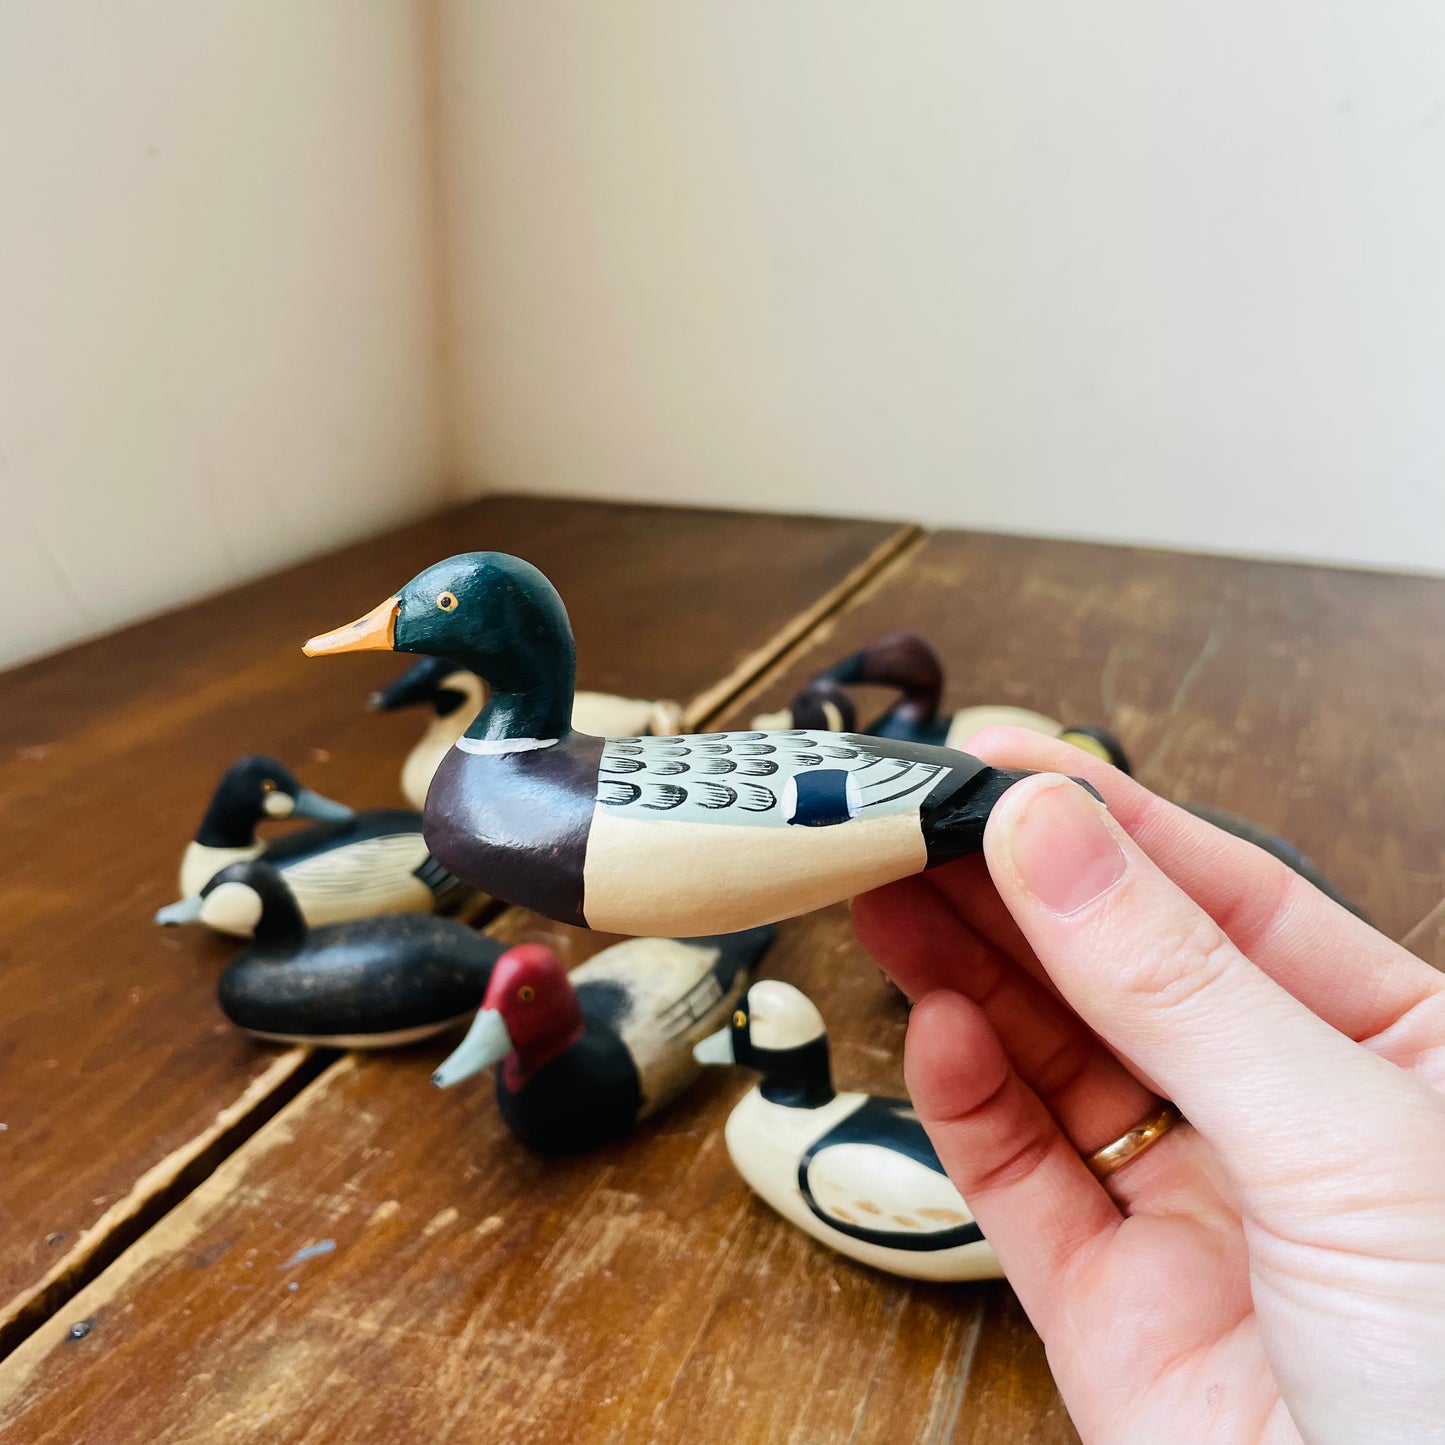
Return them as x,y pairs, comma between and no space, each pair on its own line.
585,1057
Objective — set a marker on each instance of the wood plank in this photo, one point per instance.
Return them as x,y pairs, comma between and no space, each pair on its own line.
642,1294
1311,699
122,1081
479,1293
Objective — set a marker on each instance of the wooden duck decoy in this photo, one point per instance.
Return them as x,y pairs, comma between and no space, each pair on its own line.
855,1171
905,662
358,866
669,835
586,1056
369,984
455,697
251,790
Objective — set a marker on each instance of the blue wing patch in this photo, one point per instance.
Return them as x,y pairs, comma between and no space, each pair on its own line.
821,798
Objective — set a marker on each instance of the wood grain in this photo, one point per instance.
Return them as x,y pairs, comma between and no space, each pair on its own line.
477,1292
121,1079
1310,699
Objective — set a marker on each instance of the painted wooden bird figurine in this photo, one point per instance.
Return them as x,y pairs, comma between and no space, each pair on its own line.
905,662
585,1057
455,697
369,984
251,791
676,835
855,1171
358,865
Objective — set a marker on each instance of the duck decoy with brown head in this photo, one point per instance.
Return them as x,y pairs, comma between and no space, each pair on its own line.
904,661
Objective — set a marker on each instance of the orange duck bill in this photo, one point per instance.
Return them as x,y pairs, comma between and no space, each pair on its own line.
376,632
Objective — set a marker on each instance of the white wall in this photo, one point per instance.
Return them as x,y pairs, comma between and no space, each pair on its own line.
1150,271
1126,269
217,296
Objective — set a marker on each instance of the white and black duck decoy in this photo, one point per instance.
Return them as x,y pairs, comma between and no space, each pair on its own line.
251,791
369,984
653,835
455,697
905,662
855,1171
361,865
586,1056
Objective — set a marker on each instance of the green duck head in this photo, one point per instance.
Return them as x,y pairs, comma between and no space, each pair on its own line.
496,616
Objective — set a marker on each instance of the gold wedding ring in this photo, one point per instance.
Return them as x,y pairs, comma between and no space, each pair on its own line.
1129,1146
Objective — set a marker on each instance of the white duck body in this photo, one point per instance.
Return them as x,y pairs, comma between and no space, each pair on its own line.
440,735
854,1171
200,863
377,863
697,834
593,712
854,1184
969,720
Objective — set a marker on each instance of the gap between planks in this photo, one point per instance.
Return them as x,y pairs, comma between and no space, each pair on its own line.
167,1234
166,1184
763,664
163,1186
900,552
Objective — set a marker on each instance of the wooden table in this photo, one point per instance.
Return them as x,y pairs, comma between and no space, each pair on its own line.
158,1172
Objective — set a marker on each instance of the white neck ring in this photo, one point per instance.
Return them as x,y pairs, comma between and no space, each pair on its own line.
492,746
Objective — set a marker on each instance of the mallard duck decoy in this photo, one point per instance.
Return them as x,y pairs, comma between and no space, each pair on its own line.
455,697
905,662
653,835
369,984
360,865
251,790
855,1171
586,1056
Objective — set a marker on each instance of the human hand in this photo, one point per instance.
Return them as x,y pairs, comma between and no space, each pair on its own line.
1275,1269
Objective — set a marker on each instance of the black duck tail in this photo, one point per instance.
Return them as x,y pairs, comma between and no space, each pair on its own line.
738,953
953,824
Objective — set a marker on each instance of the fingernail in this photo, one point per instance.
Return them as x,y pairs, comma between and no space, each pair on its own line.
1063,850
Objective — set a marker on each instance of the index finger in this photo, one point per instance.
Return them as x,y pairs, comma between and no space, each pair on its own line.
1280,1094
1284,924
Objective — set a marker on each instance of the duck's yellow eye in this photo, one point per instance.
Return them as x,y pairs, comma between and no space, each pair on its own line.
447,602
268,785
739,1019
526,993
